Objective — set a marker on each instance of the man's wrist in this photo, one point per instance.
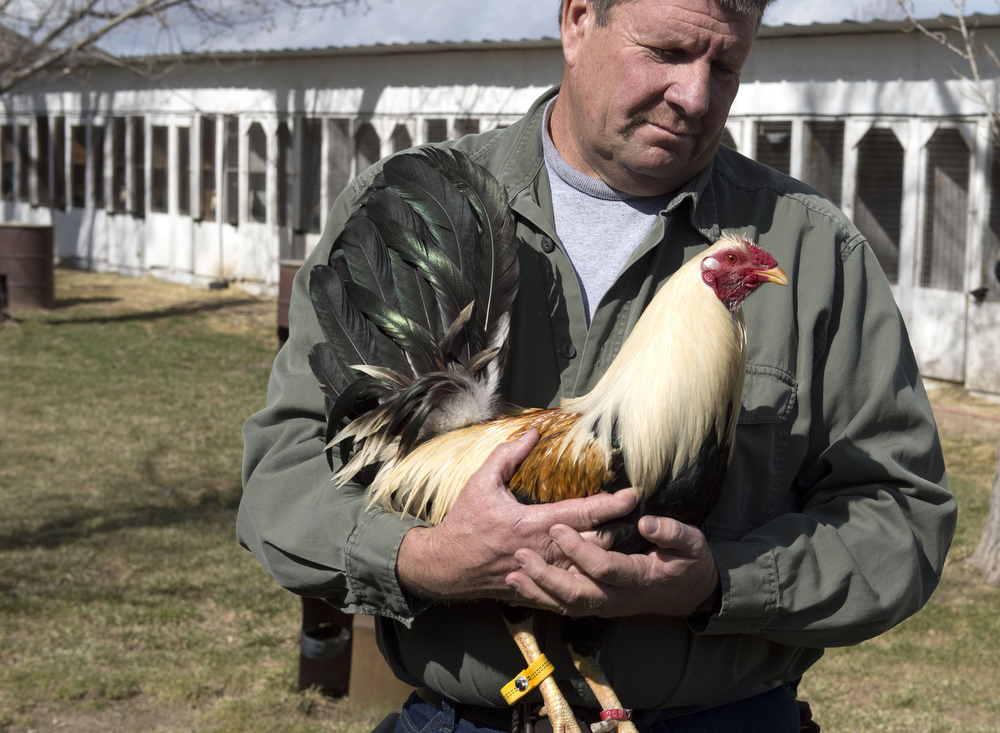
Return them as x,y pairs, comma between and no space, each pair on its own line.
411,564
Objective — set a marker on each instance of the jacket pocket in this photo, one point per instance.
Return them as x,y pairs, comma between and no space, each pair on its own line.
754,488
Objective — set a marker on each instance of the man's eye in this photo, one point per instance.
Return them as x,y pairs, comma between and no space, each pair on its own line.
668,54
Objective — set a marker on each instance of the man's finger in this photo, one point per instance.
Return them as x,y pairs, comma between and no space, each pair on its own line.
669,534
553,588
587,513
506,457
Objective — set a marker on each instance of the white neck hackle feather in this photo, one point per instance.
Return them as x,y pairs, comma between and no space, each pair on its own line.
669,387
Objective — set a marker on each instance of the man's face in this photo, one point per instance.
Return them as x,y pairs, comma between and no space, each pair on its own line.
645,98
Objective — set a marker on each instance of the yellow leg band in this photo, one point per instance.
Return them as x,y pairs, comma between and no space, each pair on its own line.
528,680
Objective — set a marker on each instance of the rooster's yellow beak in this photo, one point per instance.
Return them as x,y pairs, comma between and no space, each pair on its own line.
774,275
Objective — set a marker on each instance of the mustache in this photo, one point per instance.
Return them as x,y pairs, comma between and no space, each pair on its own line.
678,124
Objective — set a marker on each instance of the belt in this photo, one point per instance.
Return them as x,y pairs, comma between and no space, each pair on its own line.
521,718
524,717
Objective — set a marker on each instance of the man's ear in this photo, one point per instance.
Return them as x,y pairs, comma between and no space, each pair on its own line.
577,17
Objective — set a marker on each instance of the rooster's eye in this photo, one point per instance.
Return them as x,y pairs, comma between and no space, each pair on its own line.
731,259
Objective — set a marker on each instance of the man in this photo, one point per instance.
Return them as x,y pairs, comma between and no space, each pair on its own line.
834,521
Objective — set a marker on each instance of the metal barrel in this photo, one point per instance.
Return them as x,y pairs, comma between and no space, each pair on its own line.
26,265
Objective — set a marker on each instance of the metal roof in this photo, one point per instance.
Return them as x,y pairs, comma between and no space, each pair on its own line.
787,30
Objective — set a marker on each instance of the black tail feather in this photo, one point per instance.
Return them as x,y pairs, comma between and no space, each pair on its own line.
421,281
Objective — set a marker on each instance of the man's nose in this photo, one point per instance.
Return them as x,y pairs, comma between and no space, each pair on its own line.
690,88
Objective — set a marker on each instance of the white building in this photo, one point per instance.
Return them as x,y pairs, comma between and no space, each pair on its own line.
217,168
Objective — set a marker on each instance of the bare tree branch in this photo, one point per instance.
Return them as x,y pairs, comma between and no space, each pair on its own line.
42,36
983,92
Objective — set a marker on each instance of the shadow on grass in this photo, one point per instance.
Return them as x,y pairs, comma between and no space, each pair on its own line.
73,527
70,302
178,310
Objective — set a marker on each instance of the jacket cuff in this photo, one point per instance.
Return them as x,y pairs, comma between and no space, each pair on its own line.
750,593
371,556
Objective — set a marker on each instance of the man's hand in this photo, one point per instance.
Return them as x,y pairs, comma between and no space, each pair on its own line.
673,578
470,553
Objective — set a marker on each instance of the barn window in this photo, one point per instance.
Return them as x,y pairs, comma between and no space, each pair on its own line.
311,167
206,177
78,166
437,130
231,166
97,155
257,173
119,191
823,164
23,163
946,209
159,170
466,126
286,174
139,166
879,202
401,139
367,146
340,153
184,170
7,153
59,162
42,160
774,145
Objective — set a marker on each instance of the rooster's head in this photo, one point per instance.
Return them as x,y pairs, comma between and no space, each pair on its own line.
734,267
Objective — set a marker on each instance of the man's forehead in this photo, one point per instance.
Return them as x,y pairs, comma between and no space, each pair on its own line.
689,23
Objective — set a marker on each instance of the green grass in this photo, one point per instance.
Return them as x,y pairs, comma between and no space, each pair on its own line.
126,604
121,583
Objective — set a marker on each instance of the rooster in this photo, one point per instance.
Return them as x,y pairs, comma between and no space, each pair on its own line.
416,309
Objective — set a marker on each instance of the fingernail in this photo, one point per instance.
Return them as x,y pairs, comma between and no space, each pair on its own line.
522,559
513,585
647,524
556,534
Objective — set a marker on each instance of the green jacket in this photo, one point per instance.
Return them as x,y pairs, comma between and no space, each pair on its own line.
835,518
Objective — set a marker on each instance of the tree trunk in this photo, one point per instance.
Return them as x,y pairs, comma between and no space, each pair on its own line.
987,556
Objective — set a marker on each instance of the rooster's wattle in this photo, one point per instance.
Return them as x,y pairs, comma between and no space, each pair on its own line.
416,309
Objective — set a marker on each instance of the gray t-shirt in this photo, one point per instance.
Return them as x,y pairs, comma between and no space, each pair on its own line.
598,226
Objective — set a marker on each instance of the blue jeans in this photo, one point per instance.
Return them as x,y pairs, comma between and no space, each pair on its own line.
771,712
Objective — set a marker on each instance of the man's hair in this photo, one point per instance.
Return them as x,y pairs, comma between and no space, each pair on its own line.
752,8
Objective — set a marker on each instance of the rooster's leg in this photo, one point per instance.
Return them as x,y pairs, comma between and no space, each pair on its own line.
560,714
583,639
590,668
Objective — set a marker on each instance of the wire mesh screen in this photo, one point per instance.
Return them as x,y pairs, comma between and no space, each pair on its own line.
774,145
466,126
401,139
946,206
823,152
231,169
311,152
437,130
728,140
340,152
879,202
257,172
286,174
368,147
991,233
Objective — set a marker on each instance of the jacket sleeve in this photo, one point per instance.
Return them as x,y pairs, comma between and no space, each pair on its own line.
864,545
315,539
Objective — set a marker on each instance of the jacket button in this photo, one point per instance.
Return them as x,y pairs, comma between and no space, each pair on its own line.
567,351
548,246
